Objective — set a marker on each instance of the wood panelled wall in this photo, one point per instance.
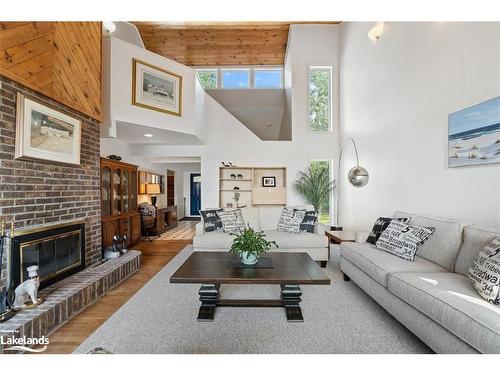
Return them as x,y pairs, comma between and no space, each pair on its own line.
61,60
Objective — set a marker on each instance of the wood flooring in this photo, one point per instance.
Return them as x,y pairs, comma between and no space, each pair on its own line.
155,255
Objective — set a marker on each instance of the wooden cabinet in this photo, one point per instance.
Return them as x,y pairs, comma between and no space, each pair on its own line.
119,202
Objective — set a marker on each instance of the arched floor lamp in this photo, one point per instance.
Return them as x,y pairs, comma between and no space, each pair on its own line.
357,177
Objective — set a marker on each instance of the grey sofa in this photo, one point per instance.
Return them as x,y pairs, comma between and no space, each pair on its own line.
266,219
432,296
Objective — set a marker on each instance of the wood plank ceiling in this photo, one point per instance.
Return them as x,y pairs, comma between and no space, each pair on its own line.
218,43
59,59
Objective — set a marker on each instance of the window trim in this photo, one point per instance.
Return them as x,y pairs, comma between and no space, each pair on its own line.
330,99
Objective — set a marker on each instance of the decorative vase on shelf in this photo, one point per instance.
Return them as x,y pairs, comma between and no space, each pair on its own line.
249,258
239,176
233,176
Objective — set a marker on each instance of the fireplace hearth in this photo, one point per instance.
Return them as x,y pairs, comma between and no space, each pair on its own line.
58,251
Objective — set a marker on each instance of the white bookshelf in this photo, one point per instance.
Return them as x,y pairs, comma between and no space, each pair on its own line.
248,182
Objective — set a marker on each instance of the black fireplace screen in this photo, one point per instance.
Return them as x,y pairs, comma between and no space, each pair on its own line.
58,251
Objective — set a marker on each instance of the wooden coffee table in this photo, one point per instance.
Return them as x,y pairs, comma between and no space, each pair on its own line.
211,269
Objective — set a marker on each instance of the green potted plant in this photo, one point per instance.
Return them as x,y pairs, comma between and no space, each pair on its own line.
249,245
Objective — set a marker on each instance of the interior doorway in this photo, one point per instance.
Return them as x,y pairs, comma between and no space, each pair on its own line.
195,194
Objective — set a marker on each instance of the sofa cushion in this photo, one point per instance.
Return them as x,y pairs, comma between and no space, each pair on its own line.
450,300
301,240
213,240
211,220
442,247
475,238
290,220
378,263
485,272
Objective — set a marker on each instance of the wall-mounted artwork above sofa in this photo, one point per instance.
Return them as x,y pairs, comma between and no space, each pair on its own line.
474,134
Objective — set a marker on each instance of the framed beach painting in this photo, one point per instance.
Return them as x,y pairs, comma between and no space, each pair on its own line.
474,134
155,88
45,133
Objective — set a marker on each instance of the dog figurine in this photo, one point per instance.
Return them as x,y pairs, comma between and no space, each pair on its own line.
28,289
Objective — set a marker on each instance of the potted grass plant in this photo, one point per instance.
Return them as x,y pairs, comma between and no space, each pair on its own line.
249,245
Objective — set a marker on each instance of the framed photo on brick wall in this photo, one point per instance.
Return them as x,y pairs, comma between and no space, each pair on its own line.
45,133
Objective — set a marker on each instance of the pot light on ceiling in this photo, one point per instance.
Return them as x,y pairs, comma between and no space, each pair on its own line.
148,135
109,26
376,32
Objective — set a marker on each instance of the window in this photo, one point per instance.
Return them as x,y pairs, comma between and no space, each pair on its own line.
235,78
325,212
208,78
267,78
319,98
261,77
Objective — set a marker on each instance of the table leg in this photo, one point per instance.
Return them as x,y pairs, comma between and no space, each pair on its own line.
209,296
290,295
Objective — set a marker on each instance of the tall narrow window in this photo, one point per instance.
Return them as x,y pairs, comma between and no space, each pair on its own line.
208,78
325,212
319,98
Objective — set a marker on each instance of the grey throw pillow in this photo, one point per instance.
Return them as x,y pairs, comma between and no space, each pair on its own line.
211,220
290,220
380,225
485,272
309,222
403,240
232,221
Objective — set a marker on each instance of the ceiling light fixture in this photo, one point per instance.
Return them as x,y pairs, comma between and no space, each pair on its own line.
376,32
109,26
148,135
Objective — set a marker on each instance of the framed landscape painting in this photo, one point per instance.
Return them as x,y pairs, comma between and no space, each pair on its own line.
155,88
45,133
474,134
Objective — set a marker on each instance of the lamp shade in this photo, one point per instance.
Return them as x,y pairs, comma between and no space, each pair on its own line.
153,189
358,176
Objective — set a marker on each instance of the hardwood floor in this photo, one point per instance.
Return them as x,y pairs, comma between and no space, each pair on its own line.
155,255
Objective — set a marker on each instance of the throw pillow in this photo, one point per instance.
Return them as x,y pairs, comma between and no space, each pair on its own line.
232,221
290,220
485,272
211,220
403,240
309,221
380,225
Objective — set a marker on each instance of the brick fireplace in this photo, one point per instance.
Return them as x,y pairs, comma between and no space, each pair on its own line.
34,193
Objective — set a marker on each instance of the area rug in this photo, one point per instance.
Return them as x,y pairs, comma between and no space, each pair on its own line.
338,318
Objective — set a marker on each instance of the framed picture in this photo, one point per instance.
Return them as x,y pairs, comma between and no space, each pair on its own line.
474,134
155,88
269,181
45,133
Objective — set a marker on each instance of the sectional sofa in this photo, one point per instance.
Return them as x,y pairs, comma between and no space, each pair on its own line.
266,219
432,296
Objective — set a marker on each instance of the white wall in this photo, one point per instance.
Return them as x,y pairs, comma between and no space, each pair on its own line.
396,94
228,140
117,91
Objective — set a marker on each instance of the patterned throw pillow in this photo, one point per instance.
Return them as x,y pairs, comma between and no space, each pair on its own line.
485,272
309,221
232,221
211,220
380,225
403,240
290,220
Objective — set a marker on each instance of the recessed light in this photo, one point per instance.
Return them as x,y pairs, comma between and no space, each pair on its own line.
148,135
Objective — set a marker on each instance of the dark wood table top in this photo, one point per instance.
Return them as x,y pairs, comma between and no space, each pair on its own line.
210,267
